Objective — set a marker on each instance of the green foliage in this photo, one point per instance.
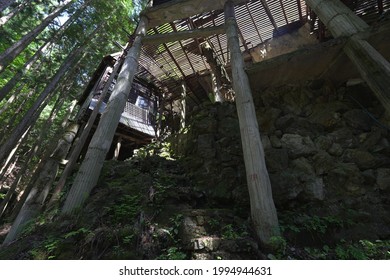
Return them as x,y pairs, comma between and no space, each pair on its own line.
82,17
47,250
126,209
172,253
80,231
228,232
161,149
176,222
314,224
363,250
51,246
278,245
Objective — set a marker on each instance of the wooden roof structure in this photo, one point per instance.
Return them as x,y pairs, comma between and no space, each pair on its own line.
171,57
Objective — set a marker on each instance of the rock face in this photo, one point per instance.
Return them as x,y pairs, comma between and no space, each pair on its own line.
214,156
320,147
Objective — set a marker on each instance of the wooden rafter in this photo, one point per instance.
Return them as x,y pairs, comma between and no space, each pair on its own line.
183,49
300,10
179,9
219,44
380,6
193,25
182,35
372,66
269,14
283,10
253,21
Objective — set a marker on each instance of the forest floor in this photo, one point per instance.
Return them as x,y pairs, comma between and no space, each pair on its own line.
149,208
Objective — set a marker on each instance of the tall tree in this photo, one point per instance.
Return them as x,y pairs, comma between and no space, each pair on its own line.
35,110
30,62
37,148
38,194
11,14
44,154
12,52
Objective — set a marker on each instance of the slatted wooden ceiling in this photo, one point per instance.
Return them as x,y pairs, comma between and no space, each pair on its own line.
168,65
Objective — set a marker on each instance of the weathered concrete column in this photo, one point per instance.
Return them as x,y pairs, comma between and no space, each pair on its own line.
88,174
263,210
372,66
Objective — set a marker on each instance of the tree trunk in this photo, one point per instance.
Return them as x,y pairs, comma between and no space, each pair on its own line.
11,14
34,112
9,169
34,150
89,172
12,153
44,155
263,210
4,4
39,192
13,118
10,100
6,89
12,52
15,183
83,138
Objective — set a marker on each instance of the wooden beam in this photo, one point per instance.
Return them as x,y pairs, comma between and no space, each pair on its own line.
126,136
380,6
183,49
182,35
263,210
300,10
254,22
219,44
180,9
269,14
171,56
194,26
283,10
320,61
372,66
338,18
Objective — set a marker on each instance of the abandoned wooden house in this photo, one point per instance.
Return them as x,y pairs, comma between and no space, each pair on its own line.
185,59
185,54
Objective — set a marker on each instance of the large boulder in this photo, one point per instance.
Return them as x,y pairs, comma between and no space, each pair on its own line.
363,159
323,163
345,178
298,145
328,114
345,137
